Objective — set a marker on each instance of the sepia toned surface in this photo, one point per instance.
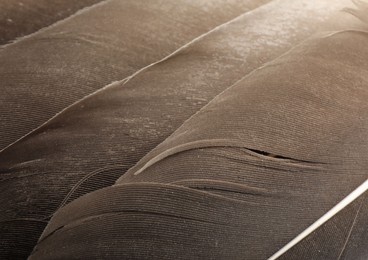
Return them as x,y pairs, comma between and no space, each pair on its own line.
204,187
48,71
228,148
22,17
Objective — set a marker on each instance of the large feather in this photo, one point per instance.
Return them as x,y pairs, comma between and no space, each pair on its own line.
234,181
311,119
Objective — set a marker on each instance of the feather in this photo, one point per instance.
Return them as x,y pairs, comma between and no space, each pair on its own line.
302,106
46,72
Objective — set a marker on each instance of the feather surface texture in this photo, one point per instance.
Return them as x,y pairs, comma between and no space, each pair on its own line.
44,73
245,174
50,70
22,17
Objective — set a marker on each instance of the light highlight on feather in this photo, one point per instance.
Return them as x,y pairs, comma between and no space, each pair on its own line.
332,212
